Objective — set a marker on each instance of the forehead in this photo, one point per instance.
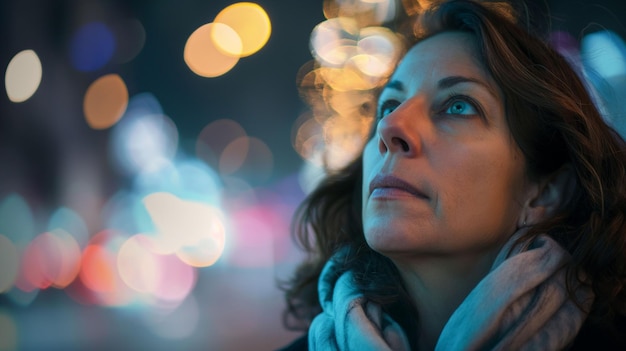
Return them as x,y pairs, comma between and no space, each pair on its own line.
444,54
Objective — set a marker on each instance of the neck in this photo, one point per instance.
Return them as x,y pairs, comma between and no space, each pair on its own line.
437,286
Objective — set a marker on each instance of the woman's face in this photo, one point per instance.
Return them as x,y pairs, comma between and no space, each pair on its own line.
442,174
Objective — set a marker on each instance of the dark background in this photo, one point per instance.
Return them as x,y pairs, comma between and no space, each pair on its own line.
239,308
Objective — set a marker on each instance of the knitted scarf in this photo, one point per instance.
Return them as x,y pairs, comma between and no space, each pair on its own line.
521,304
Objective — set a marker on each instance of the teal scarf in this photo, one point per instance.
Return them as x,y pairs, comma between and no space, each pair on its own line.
521,304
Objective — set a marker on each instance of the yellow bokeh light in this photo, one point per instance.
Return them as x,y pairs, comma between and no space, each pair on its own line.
250,21
23,76
334,41
311,83
348,78
226,39
105,101
379,50
307,134
365,12
344,139
204,57
353,104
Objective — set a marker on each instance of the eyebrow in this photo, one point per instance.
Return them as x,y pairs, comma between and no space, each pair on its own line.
445,83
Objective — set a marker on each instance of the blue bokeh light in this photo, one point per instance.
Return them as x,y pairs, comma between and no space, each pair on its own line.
92,47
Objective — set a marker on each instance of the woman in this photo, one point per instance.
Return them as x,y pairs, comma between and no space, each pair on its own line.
487,211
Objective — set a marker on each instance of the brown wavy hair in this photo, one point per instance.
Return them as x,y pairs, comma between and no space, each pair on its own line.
553,120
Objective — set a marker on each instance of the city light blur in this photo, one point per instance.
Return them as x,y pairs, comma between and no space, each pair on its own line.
23,76
152,155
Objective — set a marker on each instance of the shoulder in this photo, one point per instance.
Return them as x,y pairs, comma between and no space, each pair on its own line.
593,337
300,344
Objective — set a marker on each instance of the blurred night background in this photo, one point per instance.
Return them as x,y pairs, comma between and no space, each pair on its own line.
152,154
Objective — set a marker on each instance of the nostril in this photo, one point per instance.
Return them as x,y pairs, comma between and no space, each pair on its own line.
402,142
382,147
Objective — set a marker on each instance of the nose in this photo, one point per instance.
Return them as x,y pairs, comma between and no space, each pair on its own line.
398,133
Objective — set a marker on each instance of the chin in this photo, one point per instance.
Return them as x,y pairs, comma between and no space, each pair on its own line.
387,241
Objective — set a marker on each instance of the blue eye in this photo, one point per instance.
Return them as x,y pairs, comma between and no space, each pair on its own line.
458,106
387,107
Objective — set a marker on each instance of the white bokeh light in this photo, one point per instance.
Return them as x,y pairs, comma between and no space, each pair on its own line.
145,138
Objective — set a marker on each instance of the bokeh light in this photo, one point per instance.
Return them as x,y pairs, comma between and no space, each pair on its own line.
354,56
105,101
92,46
23,76
214,138
250,22
199,181
122,211
237,192
226,39
8,332
131,37
96,272
51,259
249,158
20,297
69,221
192,230
334,41
605,53
378,50
187,178
162,276
16,220
175,323
416,6
344,139
177,279
9,261
68,260
603,56
365,12
99,271
204,57
143,141
254,231
234,155
137,264
306,136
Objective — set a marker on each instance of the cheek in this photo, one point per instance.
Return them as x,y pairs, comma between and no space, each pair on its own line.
481,188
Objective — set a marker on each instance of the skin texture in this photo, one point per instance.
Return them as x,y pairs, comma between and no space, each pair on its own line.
448,139
457,151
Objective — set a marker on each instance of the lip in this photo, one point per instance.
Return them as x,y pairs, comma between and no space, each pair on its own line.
392,182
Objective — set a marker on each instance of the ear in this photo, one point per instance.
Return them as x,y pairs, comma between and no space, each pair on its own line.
551,193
